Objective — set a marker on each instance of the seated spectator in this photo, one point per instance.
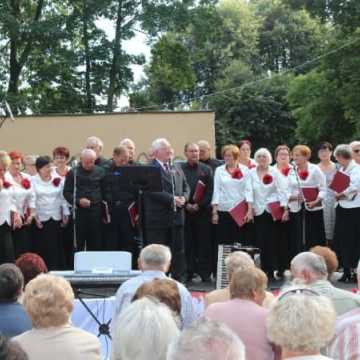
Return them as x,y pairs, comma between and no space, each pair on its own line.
154,261
329,256
13,318
310,269
163,290
48,300
301,322
207,340
236,260
244,313
10,350
31,265
143,331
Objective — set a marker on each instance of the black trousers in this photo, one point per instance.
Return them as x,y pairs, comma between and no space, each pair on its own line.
264,234
228,231
173,237
89,228
67,240
347,236
281,241
48,244
198,247
22,240
6,245
296,245
314,229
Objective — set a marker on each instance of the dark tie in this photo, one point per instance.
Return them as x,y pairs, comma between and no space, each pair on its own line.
166,167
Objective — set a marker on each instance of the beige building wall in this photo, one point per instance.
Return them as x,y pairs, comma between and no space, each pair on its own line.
40,134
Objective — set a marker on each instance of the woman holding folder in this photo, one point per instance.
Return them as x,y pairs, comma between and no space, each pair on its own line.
346,185
232,197
270,205
307,185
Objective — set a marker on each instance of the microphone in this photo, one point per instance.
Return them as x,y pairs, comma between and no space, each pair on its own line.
74,163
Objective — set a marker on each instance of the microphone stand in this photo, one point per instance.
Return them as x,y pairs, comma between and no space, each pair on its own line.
172,185
74,205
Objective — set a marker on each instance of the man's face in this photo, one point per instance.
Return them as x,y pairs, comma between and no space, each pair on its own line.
88,162
192,153
131,149
356,153
121,159
204,153
163,153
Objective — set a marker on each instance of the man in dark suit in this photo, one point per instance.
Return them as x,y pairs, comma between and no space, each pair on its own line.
198,213
164,211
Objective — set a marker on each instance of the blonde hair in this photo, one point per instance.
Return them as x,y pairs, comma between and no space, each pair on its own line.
301,322
48,300
245,281
5,159
238,260
233,149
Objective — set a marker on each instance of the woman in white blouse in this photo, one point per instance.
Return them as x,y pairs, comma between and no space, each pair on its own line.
24,198
8,214
306,209
232,185
51,211
245,154
268,188
347,226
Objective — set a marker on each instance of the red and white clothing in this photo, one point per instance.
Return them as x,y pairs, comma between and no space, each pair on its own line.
49,200
7,204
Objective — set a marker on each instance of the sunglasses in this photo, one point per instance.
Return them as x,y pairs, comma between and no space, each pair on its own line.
297,291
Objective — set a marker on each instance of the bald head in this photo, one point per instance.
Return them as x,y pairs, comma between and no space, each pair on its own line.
87,159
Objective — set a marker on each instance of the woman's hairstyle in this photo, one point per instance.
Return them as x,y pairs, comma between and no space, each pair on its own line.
16,155
344,151
244,142
31,265
42,161
164,290
48,300
329,256
233,149
325,146
263,151
304,150
11,283
301,321
280,148
61,151
143,329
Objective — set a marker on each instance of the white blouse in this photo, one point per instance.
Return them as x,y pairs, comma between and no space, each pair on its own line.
229,192
7,205
50,203
353,170
24,198
265,194
316,179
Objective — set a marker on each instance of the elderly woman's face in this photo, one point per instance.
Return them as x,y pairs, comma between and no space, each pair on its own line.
299,158
16,165
356,153
245,151
283,156
263,160
229,158
45,171
60,160
343,162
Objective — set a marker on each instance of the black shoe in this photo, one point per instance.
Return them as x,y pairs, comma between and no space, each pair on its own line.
346,278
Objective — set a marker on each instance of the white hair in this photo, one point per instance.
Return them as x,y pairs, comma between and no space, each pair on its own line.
94,141
265,152
143,331
344,151
155,256
238,260
354,144
88,153
301,322
207,340
159,143
127,141
204,143
310,262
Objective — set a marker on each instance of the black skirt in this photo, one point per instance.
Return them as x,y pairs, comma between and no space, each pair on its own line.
6,245
22,240
228,231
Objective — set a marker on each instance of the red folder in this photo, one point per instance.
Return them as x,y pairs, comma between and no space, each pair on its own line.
238,212
133,213
277,211
310,193
340,182
199,192
105,213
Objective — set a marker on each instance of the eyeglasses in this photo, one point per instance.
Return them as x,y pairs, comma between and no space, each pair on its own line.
297,291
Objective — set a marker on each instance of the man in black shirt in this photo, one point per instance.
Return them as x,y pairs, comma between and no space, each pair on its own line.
89,200
198,212
119,197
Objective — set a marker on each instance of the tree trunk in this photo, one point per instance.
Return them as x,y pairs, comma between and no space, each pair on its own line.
114,71
89,102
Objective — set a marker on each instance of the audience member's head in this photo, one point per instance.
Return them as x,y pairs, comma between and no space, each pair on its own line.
329,256
48,300
11,350
248,283
207,340
31,265
238,260
11,283
164,290
155,257
308,267
143,331
301,322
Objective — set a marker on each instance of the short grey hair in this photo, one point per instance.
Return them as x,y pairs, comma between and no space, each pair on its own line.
310,262
355,144
88,153
263,151
238,260
94,141
127,141
207,340
301,322
344,151
204,143
159,143
155,256
148,320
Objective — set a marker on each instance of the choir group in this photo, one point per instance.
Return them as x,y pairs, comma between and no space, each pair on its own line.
281,205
